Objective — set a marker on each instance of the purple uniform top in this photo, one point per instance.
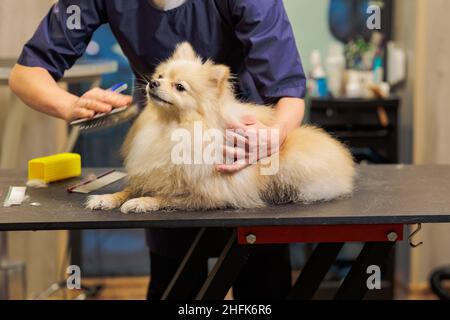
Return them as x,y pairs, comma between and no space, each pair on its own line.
253,37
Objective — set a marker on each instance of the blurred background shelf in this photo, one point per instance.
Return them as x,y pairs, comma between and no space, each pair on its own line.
369,126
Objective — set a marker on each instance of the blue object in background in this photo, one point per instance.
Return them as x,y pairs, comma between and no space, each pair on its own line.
348,19
322,87
105,252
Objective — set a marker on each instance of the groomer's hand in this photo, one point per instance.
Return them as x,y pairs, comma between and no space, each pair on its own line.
249,141
288,116
96,101
37,88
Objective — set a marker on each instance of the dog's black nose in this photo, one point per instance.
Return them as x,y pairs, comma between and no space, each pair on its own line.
154,84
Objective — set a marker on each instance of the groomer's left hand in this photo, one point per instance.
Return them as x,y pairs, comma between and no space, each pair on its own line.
249,141
289,114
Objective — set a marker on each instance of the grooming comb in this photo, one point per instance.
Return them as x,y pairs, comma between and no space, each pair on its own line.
93,183
101,120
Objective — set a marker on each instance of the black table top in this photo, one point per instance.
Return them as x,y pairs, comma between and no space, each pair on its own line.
384,195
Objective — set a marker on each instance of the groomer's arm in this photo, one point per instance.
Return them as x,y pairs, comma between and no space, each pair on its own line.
272,59
52,50
289,115
37,88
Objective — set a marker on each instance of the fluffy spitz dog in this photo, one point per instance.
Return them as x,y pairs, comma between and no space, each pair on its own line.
185,90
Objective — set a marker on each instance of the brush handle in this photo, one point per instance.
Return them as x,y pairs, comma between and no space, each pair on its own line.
119,87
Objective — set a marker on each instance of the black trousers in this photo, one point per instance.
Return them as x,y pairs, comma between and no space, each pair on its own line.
267,274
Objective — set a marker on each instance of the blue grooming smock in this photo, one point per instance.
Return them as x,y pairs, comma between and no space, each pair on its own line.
253,37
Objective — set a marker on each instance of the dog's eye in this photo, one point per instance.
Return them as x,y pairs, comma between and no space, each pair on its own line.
180,87
160,76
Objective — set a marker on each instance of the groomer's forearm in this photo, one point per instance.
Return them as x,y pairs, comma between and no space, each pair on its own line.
39,90
289,113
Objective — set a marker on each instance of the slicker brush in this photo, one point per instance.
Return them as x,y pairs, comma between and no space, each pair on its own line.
101,120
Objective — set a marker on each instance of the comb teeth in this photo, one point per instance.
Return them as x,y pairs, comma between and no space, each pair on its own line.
93,125
110,120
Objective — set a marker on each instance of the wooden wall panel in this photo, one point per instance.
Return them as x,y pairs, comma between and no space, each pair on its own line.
18,22
432,116
431,121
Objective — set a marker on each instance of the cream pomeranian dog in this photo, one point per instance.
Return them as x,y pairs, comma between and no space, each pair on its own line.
184,91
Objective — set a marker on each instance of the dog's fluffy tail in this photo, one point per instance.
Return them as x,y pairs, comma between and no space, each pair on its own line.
314,167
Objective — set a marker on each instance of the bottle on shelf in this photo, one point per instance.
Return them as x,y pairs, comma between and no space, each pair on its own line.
335,68
318,79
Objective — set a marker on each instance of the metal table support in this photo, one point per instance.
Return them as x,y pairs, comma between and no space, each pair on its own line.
379,241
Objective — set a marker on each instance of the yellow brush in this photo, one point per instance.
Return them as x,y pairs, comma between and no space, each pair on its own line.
54,168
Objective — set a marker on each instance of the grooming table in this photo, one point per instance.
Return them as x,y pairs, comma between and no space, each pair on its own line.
387,198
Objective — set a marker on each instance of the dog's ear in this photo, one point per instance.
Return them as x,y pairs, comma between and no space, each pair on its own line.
219,75
184,51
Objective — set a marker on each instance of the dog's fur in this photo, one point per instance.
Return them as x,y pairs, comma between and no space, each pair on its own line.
312,165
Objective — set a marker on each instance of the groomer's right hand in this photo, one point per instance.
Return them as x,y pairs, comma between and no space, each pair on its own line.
97,101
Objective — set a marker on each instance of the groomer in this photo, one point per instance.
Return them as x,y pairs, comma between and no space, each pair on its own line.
253,37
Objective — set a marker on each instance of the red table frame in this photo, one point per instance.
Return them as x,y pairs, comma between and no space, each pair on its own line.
239,243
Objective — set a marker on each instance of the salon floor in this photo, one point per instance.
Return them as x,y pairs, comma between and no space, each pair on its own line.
135,288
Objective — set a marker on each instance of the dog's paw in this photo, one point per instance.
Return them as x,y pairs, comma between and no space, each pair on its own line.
102,202
140,205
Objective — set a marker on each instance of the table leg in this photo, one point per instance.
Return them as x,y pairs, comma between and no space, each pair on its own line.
184,279
354,286
231,261
315,271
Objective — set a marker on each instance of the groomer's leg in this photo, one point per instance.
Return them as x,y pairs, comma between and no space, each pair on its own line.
267,274
167,250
